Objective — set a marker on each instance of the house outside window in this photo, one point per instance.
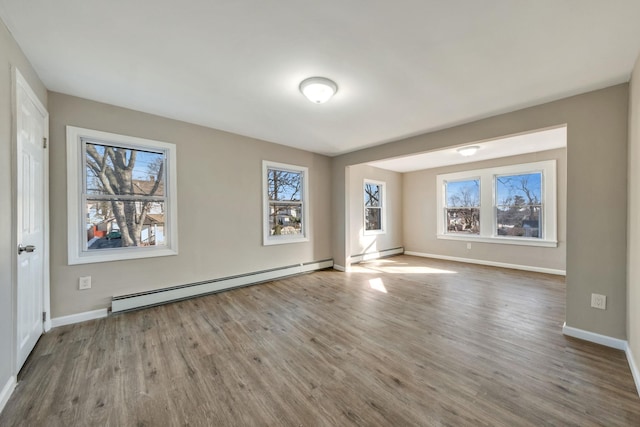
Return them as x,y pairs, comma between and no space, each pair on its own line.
285,192
121,193
513,204
374,207
462,214
519,205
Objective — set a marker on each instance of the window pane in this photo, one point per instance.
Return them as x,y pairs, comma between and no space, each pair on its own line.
512,190
285,219
525,222
123,171
373,219
519,205
372,195
124,223
284,185
463,194
464,221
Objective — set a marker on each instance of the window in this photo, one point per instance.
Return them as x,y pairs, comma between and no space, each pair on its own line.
285,190
463,206
121,193
511,204
374,207
519,205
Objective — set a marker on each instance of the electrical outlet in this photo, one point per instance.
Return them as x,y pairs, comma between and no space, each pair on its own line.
468,245
84,282
599,301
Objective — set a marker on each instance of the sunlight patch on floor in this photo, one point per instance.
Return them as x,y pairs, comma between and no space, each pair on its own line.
377,285
384,266
368,268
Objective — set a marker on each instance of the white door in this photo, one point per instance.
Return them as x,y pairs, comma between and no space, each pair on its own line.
31,127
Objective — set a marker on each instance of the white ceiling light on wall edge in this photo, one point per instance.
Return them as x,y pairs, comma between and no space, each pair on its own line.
318,89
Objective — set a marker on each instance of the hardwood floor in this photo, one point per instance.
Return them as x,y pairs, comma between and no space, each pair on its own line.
402,341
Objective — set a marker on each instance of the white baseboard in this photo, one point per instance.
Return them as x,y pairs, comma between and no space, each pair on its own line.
490,263
634,368
339,267
375,255
79,317
6,392
161,296
605,340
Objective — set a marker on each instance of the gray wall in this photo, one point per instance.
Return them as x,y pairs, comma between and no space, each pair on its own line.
219,207
419,217
633,262
10,56
596,193
392,238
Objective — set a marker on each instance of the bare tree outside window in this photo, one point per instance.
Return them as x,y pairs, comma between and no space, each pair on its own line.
373,206
284,190
462,214
519,205
124,196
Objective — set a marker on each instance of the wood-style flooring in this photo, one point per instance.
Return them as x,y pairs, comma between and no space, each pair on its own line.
402,341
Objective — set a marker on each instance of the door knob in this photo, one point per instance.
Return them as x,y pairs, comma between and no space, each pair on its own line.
28,248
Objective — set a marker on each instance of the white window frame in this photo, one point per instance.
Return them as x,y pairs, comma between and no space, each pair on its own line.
77,244
488,210
383,208
267,238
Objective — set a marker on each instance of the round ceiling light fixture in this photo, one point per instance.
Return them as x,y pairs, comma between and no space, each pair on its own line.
468,151
318,89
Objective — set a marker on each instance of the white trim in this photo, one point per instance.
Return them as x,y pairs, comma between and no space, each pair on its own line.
382,207
521,241
267,238
339,268
490,263
77,237
605,340
7,391
79,317
375,255
634,368
488,223
130,302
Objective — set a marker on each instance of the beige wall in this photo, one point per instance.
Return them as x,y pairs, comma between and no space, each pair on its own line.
596,182
219,207
633,236
419,216
392,238
10,56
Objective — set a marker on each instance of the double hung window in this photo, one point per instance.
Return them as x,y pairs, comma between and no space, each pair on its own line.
463,206
285,189
374,207
510,204
121,197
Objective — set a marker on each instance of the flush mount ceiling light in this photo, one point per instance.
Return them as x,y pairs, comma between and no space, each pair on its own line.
468,151
318,89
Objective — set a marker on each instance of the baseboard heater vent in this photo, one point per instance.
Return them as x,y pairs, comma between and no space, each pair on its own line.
175,293
375,255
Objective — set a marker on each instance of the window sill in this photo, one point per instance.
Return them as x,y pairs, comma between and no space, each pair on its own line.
501,240
105,255
271,240
374,232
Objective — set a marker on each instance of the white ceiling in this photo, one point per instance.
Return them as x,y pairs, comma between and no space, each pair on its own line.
542,140
403,68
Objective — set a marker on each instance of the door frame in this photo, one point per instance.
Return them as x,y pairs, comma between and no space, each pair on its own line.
18,79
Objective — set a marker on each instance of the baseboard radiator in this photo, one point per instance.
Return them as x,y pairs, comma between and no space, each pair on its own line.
175,293
375,255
